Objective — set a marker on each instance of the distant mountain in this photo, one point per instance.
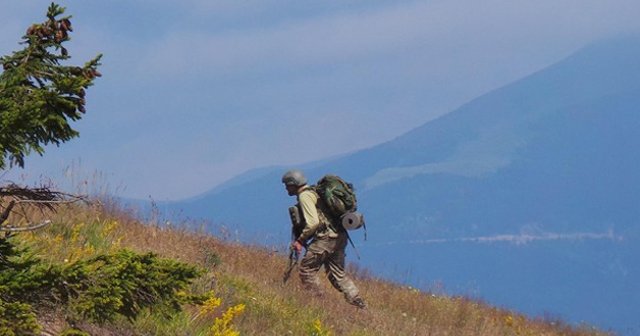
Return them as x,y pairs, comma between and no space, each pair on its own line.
527,196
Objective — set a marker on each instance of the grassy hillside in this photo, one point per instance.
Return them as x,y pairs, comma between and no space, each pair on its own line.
243,290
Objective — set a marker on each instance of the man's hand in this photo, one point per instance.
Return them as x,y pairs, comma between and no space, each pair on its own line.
294,258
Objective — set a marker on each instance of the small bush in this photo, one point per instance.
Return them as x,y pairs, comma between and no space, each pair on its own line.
74,332
98,289
223,325
317,329
126,282
17,319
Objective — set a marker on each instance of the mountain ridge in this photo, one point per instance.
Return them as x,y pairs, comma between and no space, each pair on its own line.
552,152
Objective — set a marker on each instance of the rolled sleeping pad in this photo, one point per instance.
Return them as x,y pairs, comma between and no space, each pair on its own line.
352,220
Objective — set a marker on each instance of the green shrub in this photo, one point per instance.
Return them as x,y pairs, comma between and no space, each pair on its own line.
17,319
24,277
126,282
98,289
74,332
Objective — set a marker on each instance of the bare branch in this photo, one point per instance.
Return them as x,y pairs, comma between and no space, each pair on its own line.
42,198
29,227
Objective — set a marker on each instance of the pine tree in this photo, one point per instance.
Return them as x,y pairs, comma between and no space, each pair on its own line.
39,96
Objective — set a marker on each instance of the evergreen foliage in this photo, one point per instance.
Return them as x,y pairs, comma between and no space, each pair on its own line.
17,318
126,282
99,289
74,332
39,95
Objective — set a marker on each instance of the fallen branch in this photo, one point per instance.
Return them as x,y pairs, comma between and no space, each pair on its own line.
42,198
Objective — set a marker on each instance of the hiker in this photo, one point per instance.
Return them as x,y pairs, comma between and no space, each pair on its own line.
325,241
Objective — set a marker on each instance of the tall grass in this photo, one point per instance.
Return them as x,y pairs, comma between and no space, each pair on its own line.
246,295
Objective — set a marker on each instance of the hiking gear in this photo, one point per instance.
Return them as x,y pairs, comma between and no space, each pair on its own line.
297,224
337,195
294,259
339,198
316,223
294,177
358,302
352,220
354,245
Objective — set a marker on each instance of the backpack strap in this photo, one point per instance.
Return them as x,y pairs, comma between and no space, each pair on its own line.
352,244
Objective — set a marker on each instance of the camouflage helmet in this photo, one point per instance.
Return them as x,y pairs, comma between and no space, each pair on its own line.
294,177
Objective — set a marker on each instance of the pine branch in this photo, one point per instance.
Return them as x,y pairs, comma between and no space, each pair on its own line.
39,97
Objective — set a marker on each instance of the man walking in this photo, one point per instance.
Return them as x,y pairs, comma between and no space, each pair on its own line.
324,239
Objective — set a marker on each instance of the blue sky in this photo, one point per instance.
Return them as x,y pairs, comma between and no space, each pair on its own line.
195,92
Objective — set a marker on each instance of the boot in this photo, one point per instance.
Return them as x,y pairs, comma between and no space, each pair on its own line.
358,302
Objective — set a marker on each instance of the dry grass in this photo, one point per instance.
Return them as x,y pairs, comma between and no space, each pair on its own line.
252,276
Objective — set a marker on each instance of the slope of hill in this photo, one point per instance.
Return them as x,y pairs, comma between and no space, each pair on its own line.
247,296
526,196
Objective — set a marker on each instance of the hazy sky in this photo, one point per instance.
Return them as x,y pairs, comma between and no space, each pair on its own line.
195,92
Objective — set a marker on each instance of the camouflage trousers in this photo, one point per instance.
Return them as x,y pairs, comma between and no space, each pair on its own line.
330,253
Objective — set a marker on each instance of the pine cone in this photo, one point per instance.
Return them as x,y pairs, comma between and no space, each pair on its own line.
66,24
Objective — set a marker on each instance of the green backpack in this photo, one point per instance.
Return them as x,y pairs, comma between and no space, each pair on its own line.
340,201
337,195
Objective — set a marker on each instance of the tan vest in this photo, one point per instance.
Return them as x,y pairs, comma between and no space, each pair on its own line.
325,228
